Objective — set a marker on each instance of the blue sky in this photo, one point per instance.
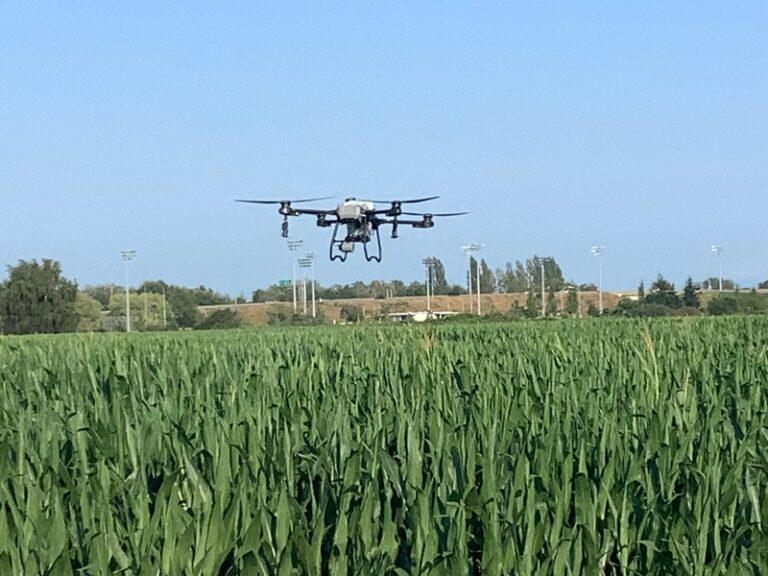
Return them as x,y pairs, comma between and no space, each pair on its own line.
642,127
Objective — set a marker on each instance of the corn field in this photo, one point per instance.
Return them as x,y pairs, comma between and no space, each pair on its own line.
591,447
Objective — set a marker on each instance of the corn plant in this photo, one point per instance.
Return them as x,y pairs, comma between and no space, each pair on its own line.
577,447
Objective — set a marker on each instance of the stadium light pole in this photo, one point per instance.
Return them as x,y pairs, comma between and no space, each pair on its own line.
469,250
543,299
429,263
311,256
598,251
477,272
294,245
305,263
127,256
717,250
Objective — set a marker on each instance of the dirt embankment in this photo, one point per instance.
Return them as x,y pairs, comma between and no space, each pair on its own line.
260,314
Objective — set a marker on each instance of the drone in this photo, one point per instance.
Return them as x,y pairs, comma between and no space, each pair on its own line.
362,220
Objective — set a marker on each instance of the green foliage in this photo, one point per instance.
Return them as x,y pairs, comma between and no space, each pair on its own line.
88,311
37,298
531,304
713,283
183,302
613,447
146,311
690,296
183,305
513,279
572,302
551,303
439,282
487,279
644,309
351,313
738,303
101,293
662,293
220,319
280,314
521,277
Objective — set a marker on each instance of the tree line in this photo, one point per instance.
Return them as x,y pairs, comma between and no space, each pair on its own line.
519,277
37,298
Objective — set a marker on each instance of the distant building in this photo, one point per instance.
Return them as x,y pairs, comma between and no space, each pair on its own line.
419,316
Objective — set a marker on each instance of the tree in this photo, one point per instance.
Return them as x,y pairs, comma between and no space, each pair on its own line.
351,313
101,293
88,311
487,279
531,304
146,310
183,307
713,283
551,303
690,297
641,291
738,302
572,302
219,320
439,283
763,285
723,304
207,297
36,297
663,293
553,275
184,301
513,279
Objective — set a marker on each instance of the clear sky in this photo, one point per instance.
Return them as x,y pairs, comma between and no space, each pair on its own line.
639,126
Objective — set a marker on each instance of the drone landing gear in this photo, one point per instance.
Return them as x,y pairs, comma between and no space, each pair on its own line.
339,254
340,248
373,257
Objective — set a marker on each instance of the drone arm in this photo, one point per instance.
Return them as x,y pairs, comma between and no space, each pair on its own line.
311,211
423,223
382,211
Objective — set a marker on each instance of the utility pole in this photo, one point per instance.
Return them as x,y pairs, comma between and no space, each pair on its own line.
307,262
311,256
294,245
469,250
429,263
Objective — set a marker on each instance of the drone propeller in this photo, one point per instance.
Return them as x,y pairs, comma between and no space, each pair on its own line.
432,214
282,202
410,201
